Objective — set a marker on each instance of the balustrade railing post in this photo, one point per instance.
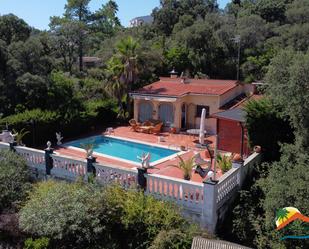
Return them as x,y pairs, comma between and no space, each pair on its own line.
49,163
91,171
209,211
141,178
12,146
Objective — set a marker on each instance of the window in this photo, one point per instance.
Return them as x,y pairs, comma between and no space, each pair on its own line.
199,109
166,114
145,111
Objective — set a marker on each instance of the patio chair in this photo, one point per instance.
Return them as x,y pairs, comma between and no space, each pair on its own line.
154,122
199,160
147,123
134,125
157,128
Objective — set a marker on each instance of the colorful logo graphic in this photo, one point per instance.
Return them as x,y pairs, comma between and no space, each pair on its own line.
287,215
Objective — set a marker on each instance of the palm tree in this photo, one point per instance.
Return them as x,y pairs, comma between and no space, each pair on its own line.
127,53
88,147
186,166
114,87
123,68
20,135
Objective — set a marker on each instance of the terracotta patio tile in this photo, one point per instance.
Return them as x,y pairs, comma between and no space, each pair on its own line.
164,168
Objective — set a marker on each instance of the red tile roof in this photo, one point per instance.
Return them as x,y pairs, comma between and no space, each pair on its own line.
175,87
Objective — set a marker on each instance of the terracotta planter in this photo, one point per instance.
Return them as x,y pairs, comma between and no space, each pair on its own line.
182,147
187,178
237,158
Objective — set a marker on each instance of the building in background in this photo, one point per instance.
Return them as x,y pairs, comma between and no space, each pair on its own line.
141,20
90,62
202,243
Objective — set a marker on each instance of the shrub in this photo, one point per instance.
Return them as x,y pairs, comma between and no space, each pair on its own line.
70,214
225,162
172,239
41,125
266,128
140,218
41,243
14,179
81,215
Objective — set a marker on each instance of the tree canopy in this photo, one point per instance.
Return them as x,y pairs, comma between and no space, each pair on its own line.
14,180
77,215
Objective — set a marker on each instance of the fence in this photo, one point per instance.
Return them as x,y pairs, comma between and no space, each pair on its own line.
197,199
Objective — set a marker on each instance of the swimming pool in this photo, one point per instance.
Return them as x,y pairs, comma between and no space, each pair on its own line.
123,149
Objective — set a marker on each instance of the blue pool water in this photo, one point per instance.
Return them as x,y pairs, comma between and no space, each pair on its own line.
123,149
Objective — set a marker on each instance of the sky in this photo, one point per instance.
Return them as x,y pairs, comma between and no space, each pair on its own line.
37,12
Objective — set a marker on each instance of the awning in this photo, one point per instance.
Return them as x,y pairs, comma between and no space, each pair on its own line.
156,98
237,114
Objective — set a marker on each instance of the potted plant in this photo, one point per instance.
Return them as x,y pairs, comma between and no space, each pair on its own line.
237,161
182,147
186,166
224,162
20,135
88,147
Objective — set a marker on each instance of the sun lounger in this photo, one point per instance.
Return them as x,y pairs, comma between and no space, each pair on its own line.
199,162
147,123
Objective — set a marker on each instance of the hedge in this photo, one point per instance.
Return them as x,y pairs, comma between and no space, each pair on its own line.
43,124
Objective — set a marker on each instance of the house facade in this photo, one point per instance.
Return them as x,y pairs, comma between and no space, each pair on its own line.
178,102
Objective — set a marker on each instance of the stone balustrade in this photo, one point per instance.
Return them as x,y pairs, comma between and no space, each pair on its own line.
203,200
185,193
106,174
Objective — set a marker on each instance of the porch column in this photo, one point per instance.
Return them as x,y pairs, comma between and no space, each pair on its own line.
136,103
177,115
155,112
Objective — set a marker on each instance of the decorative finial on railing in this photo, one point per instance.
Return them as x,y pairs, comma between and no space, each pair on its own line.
48,145
59,138
145,159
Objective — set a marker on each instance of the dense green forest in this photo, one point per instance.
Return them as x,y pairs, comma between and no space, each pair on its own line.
44,87
41,71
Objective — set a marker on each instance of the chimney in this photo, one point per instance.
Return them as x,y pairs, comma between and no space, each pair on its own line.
173,74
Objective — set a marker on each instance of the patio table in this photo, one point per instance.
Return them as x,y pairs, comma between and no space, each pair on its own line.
194,131
145,128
